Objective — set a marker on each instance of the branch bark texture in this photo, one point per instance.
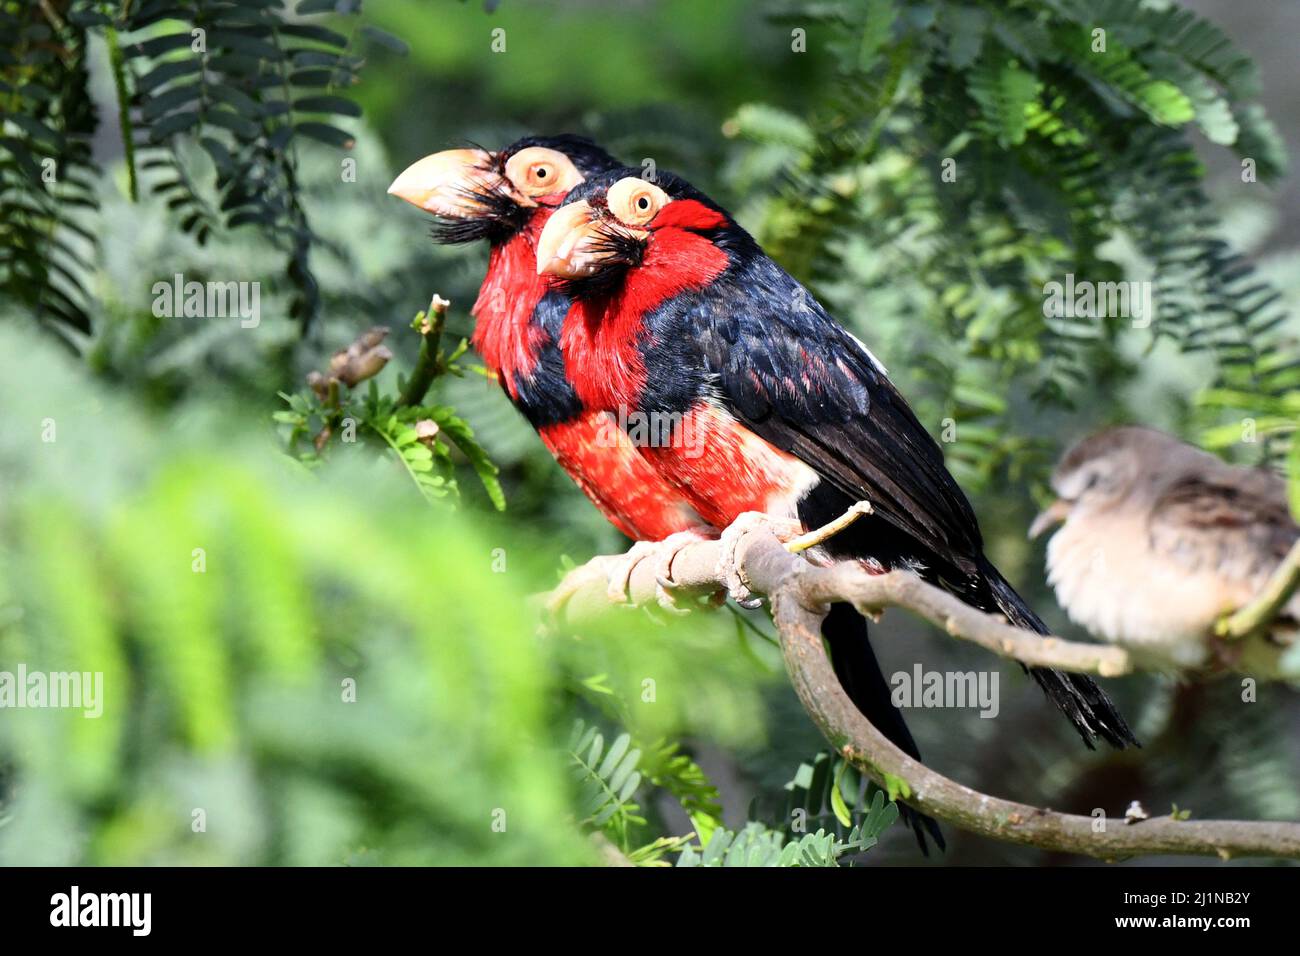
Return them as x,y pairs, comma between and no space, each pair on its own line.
800,594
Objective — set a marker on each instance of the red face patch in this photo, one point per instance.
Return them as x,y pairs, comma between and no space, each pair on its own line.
688,214
504,333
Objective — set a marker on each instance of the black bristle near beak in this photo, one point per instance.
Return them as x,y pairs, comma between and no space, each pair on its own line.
498,218
619,252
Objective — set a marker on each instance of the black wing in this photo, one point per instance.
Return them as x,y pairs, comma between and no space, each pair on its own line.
790,372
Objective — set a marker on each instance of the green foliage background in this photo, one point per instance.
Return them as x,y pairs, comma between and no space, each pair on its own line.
225,688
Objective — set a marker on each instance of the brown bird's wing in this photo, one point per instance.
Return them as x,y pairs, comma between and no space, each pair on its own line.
1234,522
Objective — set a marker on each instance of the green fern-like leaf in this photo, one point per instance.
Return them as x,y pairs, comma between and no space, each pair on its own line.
607,779
665,767
459,431
758,846
1120,72
830,792
47,195
1004,93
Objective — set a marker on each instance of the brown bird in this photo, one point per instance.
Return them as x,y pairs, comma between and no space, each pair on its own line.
1159,540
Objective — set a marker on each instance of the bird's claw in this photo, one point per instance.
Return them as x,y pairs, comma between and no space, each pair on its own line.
662,553
729,570
620,574
665,600
665,553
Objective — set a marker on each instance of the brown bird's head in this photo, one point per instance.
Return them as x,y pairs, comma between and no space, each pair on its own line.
1101,471
477,194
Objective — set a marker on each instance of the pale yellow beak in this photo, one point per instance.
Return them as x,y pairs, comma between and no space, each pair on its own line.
445,183
563,248
575,243
1050,517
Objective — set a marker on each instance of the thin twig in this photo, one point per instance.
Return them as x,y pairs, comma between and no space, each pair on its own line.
52,15
1259,613
831,528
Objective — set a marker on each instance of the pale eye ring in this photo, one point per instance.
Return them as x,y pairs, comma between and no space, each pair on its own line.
635,201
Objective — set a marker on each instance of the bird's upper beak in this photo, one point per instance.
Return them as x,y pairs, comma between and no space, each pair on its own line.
576,242
448,183
1049,517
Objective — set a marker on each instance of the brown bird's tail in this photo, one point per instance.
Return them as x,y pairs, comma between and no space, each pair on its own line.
1077,695
859,674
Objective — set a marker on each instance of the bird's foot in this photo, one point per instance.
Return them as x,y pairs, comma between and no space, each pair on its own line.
665,585
661,553
621,568
729,563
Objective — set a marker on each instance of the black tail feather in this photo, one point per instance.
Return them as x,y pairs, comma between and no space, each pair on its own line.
859,674
1077,695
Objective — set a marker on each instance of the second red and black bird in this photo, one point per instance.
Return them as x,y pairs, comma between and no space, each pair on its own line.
678,312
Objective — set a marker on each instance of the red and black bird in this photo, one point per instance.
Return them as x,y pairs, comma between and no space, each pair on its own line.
679,313
505,198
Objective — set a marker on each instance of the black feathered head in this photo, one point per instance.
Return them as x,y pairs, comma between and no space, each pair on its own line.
477,194
607,223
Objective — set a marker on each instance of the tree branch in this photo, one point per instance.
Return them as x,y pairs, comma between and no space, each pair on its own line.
695,568
800,594
1259,613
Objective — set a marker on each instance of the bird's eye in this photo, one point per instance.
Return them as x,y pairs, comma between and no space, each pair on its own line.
635,202
537,171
